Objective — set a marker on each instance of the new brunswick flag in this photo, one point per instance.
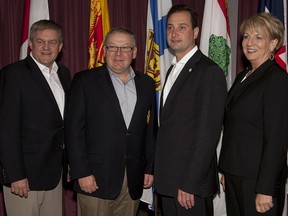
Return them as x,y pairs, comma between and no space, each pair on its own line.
98,27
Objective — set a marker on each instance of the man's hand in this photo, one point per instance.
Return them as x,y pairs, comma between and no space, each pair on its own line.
20,188
186,200
148,180
263,203
88,184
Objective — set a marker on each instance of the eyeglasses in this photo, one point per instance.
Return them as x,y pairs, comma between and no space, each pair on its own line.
122,49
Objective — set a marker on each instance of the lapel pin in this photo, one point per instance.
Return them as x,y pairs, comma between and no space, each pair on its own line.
190,70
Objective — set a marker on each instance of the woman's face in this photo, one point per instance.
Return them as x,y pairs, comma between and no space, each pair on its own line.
257,46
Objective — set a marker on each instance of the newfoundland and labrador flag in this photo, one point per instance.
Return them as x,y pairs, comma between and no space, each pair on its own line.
215,35
34,10
157,58
277,8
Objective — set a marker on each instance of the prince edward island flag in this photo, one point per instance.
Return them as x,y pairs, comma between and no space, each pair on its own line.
215,43
215,35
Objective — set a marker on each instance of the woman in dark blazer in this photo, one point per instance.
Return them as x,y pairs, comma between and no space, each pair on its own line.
254,149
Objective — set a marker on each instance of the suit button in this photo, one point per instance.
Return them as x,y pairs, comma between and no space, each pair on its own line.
62,146
128,134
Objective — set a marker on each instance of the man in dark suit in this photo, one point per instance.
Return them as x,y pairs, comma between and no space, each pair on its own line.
110,131
31,126
191,114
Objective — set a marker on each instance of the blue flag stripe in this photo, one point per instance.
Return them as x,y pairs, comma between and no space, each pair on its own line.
275,7
159,27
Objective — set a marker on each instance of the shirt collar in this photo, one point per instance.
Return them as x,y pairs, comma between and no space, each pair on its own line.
45,69
131,74
186,58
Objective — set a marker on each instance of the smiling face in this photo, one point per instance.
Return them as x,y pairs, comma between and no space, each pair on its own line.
45,46
180,34
257,45
119,61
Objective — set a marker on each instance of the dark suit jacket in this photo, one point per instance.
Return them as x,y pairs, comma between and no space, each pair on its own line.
256,127
31,126
98,141
190,126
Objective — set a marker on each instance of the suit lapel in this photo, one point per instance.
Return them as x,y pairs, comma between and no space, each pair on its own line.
161,96
40,80
63,80
105,82
139,101
239,87
184,74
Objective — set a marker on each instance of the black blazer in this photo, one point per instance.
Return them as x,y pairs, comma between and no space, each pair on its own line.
190,126
256,127
31,126
97,139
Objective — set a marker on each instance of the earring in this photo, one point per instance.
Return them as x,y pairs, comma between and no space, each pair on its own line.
271,56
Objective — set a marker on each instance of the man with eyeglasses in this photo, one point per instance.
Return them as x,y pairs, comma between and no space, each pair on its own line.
111,127
32,98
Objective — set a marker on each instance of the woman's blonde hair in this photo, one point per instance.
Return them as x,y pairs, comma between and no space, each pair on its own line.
272,25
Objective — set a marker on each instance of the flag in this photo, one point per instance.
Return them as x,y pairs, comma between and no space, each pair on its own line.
34,10
215,36
99,26
157,57
215,43
278,9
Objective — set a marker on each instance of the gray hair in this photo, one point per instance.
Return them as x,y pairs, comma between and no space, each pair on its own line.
121,30
46,24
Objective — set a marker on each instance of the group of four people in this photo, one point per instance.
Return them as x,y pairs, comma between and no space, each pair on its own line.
111,135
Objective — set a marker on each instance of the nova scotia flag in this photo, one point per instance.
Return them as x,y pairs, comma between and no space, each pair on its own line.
157,58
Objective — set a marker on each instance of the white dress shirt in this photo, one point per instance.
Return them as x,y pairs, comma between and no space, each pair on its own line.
54,83
177,68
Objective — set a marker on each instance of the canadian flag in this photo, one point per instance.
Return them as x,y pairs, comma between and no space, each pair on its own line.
34,10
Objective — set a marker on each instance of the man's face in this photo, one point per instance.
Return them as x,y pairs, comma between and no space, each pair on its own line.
119,61
45,46
180,34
